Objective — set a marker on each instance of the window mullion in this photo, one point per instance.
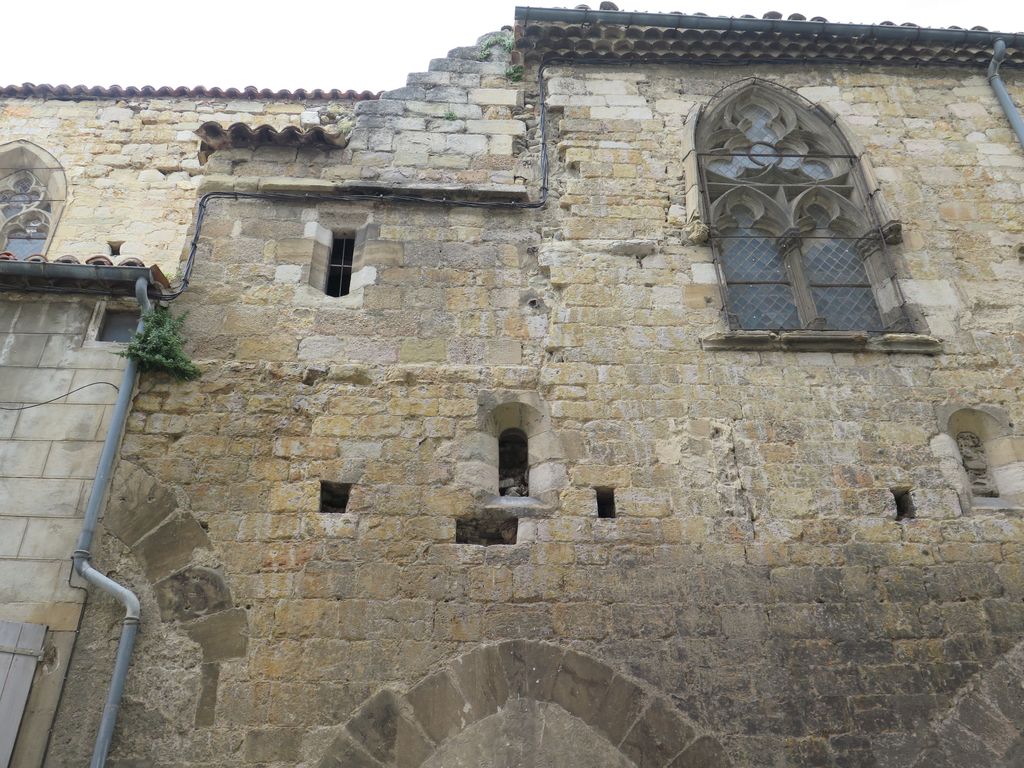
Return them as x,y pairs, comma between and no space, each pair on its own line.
809,317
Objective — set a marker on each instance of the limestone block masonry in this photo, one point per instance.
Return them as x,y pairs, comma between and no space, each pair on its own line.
133,164
795,574
132,168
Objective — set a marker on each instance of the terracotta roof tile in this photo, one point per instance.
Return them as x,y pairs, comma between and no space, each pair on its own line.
216,136
94,261
625,36
27,90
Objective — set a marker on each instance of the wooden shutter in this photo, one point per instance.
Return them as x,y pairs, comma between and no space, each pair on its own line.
21,648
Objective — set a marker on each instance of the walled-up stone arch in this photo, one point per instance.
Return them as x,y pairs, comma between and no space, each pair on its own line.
467,714
984,728
170,543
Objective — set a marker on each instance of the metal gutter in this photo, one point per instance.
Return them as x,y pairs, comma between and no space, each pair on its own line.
80,278
884,32
83,554
1009,108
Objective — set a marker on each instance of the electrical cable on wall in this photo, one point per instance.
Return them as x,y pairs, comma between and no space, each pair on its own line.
59,397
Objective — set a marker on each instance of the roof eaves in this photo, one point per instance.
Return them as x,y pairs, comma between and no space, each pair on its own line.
81,92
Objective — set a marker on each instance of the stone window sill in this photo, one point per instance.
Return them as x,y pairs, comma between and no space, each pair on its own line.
516,506
822,341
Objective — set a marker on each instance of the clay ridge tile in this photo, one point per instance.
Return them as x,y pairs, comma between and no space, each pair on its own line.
216,136
27,90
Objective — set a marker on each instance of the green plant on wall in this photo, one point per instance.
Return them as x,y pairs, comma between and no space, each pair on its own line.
159,347
514,73
503,40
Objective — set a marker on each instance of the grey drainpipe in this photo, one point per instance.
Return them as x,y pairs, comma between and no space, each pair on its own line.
83,555
998,54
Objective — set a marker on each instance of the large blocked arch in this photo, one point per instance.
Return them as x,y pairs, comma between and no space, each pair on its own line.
984,728
562,707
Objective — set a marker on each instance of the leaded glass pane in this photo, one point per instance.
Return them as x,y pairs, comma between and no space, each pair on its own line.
728,166
833,261
23,247
746,257
763,307
24,214
759,129
847,309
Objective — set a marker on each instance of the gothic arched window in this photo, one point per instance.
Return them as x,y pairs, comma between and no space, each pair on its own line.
32,191
797,241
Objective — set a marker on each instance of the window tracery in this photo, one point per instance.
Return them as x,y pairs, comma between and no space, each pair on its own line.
32,192
797,242
26,214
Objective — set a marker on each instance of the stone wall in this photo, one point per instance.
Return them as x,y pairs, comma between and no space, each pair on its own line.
133,164
755,601
132,170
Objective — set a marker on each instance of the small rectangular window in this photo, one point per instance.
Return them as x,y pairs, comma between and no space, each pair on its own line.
339,267
334,496
605,502
118,325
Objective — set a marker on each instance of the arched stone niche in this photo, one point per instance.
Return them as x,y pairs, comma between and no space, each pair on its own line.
514,414
985,459
522,704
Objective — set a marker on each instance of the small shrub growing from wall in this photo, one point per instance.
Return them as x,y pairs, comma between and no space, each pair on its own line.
159,347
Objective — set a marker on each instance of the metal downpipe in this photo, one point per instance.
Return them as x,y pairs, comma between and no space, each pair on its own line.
998,54
83,554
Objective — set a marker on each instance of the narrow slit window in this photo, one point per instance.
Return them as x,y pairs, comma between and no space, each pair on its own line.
115,247
605,502
118,326
334,496
339,267
904,504
513,463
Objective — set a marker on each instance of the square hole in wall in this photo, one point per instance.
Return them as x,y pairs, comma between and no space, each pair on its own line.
904,500
486,531
118,325
605,502
334,496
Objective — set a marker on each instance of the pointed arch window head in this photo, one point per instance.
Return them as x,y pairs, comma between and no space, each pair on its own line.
797,240
32,192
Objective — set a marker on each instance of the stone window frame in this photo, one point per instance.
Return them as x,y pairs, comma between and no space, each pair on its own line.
99,313
48,180
862,217
305,260
479,459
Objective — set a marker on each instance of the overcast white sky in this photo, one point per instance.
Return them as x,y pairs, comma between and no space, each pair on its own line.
360,45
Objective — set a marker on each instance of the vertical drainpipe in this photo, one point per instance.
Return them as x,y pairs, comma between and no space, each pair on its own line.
83,555
998,54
